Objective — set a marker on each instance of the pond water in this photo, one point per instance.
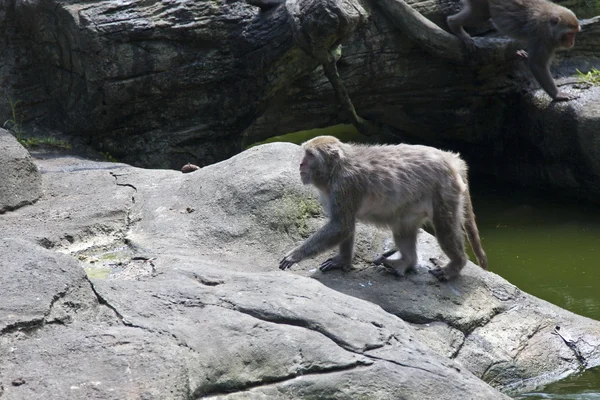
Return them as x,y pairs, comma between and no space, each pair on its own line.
549,247
546,245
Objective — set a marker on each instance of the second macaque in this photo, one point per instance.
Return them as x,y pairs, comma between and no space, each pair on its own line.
542,25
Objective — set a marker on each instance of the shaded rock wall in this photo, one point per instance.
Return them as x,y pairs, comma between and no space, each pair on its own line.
163,83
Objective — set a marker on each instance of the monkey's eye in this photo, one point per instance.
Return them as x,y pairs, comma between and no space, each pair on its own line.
310,154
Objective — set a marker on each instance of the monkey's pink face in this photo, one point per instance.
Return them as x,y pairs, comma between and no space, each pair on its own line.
567,40
306,166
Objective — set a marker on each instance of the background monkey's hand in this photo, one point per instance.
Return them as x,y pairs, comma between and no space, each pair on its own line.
290,259
564,96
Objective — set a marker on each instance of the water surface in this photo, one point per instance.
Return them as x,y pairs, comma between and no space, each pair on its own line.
548,246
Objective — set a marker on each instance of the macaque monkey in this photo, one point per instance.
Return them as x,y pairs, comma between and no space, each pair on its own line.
542,25
400,187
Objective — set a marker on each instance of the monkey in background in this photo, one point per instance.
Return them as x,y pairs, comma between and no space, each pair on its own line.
542,25
397,186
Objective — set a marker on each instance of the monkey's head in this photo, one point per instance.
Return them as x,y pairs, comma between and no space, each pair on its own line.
565,26
321,155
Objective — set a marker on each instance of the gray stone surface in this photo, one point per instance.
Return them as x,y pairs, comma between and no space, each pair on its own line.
20,180
183,299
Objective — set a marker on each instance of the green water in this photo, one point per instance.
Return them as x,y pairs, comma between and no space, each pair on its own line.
549,247
577,387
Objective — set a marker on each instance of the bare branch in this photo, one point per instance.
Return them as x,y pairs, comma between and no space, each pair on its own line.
440,43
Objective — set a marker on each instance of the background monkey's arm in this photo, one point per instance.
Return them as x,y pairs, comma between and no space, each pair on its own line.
440,43
538,64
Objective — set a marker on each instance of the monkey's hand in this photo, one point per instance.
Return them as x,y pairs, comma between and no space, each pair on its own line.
522,54
290,259
564,96
334,263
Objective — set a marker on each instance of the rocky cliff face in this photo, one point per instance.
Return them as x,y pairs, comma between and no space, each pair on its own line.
162,83
123,282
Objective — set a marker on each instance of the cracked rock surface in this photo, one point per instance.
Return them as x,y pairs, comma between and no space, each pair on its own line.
123,282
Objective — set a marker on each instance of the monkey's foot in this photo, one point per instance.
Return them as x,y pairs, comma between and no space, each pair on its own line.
398,267
333,263
443,274
522,53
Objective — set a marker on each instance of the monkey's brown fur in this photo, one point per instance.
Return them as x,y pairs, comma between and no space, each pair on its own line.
400,187
542,25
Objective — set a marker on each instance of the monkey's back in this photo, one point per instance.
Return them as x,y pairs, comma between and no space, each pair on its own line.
518,18
393,178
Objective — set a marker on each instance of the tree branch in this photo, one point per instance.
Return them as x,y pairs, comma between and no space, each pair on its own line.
440,43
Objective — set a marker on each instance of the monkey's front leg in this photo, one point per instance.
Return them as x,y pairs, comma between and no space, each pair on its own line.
538,64
343,260
325,238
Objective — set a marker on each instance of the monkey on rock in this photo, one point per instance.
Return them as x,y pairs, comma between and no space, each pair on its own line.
395,186
542,25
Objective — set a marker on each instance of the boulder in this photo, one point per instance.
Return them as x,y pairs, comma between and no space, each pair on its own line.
20,179
183,298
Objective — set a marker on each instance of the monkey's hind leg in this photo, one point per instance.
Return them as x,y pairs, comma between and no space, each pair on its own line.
450,236
379,260
472,13
406,242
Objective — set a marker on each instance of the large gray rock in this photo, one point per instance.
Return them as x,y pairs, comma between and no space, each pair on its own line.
183,298
20,179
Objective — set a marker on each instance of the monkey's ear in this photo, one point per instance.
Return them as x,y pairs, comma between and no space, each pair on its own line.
337,153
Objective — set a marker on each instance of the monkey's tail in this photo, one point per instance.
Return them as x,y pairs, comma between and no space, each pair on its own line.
473,232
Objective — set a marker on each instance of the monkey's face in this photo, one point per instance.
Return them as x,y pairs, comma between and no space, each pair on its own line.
568,39
313,169
566,29
307,166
